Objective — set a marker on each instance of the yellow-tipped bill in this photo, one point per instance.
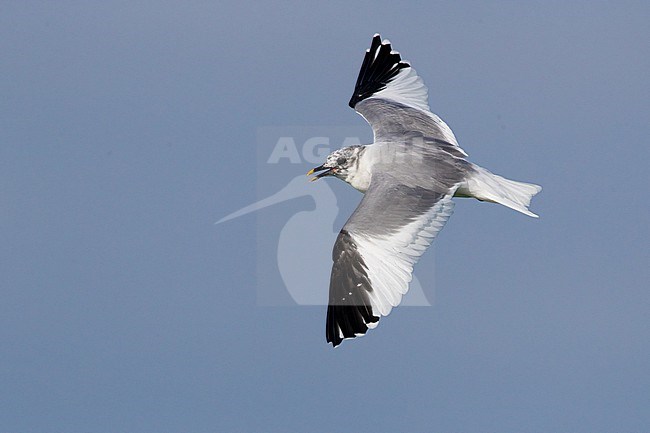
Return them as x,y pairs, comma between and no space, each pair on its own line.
325,171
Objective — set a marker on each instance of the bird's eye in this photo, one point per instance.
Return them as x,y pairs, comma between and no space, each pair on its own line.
341,161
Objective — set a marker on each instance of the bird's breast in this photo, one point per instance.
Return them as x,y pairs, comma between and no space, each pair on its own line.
359,180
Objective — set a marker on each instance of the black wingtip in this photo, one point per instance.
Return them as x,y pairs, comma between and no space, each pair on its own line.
349,311
351,320
380,65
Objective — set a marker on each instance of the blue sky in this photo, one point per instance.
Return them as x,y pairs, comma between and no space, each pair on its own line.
127,129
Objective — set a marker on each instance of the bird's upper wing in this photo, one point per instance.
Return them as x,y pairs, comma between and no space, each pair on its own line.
393,99
375,252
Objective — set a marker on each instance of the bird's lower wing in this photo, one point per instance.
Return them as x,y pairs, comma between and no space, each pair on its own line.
375,252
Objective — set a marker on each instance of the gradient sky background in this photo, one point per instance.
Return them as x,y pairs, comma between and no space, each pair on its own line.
127,129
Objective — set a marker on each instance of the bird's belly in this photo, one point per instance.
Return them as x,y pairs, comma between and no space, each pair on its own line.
463,191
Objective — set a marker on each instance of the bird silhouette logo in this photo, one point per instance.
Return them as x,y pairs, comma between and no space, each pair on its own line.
304,250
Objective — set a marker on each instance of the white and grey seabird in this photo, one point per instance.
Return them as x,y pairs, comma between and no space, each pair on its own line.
409,176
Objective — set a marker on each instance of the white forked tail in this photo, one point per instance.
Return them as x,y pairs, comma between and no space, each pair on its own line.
487,186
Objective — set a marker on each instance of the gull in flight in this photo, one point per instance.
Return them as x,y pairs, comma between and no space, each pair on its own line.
409,176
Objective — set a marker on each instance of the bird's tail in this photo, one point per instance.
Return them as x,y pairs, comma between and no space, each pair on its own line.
487,186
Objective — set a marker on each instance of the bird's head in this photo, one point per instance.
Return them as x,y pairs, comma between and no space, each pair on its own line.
340,163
